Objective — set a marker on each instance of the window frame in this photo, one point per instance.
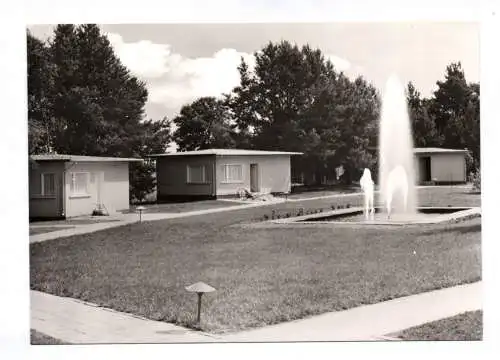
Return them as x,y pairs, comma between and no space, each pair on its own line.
189,179
42,193
226,180
72,193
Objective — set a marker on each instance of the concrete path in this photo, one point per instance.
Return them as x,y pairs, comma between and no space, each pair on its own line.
125,219
372,322
76,322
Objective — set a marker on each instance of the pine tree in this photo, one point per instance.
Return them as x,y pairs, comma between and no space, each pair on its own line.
84,101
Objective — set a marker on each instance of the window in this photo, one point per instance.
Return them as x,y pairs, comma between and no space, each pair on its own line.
79,184
47,184
232,173
196,174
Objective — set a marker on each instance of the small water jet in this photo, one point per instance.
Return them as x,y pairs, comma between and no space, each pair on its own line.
367,186
396,164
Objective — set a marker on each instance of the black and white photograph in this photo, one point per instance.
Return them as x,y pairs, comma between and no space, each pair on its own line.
254,182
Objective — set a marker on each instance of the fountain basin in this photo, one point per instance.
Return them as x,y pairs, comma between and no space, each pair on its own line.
355,216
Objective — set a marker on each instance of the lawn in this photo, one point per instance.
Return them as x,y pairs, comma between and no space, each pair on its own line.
184,206
38,338
43,230
263,276
463,327
74,221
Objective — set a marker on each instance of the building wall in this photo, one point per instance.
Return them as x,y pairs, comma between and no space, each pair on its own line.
274,173
46,206
114,194
446,167
172,179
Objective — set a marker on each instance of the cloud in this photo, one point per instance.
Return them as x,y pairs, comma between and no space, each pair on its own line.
174,80
188,78
143,58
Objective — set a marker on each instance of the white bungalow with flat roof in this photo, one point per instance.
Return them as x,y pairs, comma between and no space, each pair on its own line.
214,173
440,166
62,186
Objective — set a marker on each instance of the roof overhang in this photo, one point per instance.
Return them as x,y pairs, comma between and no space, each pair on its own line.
80,158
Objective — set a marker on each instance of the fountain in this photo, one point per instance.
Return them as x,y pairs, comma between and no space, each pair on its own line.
396,164
398,198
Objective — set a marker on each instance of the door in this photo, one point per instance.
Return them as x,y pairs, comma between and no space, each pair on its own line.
254,178
425,169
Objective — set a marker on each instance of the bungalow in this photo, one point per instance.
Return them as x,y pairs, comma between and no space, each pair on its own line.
440,166
214,173
63,186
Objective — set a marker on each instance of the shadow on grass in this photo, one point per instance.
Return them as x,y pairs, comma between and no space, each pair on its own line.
461,229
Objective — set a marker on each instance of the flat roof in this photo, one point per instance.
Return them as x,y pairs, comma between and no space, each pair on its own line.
79,158
227,152
434,150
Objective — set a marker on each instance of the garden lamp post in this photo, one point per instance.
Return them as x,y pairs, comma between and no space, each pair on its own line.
140,209
199,288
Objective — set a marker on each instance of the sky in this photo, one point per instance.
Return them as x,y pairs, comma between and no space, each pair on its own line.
181,62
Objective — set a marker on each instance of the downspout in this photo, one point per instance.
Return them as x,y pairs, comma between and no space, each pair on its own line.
214,177
63,185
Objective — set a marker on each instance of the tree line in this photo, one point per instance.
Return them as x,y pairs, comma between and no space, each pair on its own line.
83,100
295,100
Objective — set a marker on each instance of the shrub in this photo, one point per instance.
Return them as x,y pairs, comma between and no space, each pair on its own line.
475,179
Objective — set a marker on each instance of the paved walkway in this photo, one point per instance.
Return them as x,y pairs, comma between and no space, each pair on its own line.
372,322
74,321
77,322
125,219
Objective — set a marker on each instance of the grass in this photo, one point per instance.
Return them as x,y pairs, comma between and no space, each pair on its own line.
184,207
38,338
74,221
263,276
43,230
463,327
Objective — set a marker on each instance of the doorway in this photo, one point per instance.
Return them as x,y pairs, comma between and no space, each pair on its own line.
254,177
425,169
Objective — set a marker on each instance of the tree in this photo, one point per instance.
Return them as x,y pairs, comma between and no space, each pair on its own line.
97,102
153,139
89,103
295,100
424,129
359,111
40,122
455,106
203,124
449,103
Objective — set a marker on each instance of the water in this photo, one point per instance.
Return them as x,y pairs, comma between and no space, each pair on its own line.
396,148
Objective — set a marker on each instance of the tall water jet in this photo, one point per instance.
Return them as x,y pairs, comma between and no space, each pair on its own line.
396,151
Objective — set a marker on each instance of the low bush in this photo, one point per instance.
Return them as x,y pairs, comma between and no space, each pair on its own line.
475,179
